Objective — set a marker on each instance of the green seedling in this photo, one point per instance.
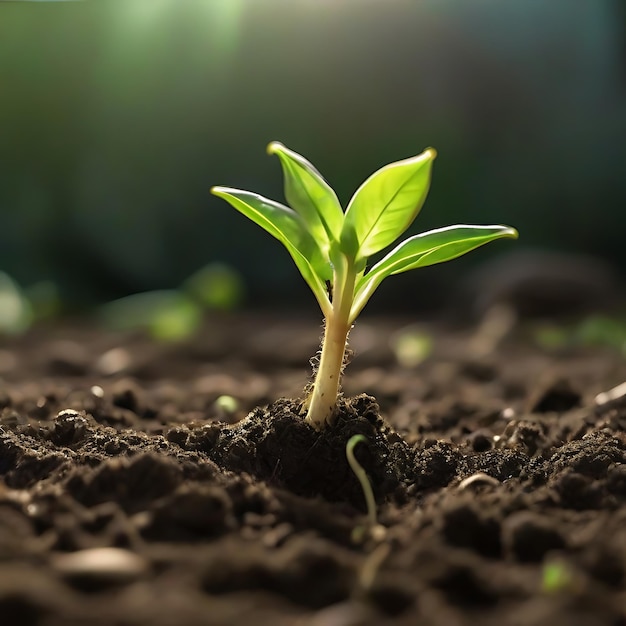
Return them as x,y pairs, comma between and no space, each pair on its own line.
226,408
176,314
362,477
412,346
217,287
16,312
370,530
332,248
557,576
167,315
21,308
594,330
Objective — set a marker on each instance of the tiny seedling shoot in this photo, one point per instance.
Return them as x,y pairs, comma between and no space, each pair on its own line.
331,248
361,475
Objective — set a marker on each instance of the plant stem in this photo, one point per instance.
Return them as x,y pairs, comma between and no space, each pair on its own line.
327,379
362,477
327,382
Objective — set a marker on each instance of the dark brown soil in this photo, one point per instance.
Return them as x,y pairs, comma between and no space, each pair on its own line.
131,495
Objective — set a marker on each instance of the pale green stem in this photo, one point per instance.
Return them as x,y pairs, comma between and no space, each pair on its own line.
361,474
326,386
327,380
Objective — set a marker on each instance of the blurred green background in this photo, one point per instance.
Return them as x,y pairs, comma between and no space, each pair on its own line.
116,117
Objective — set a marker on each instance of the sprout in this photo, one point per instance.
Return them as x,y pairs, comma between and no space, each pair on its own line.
361,474
557,576
217,286
331,248
16,312
372,530
168,315
176,314
411,347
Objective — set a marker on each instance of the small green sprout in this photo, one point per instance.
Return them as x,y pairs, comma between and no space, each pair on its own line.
176,314
167,314
227,404
16,312
412,346
557,576
331,248
361,474
594,330
217,287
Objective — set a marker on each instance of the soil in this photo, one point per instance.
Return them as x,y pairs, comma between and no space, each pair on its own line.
134,493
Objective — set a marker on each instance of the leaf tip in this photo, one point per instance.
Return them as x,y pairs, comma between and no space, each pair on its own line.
430,153
511,232
218,191
274,146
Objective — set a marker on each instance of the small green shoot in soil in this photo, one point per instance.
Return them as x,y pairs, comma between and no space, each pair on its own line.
21,307
176,314
594,330
331,248
557,576
361,475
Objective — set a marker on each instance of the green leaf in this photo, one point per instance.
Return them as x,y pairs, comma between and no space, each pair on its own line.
429,248
386,204
289,228
310,195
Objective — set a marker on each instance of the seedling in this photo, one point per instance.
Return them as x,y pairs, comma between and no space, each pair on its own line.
332,248
176,314
21,307
16,313
557,576
362,477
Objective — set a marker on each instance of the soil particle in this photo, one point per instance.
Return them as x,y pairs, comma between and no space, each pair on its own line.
98,568
130,482
435,465
191,513
305,571
464,525
528,537
558,397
